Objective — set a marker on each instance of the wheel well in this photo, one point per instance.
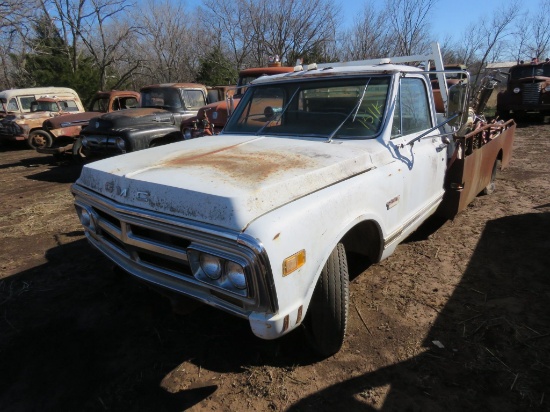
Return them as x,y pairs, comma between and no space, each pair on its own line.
500,154
365,239
39,129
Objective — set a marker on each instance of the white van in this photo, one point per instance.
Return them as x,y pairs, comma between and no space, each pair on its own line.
18,101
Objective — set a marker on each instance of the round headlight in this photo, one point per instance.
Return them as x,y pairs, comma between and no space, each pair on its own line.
547,89
517,90
187,134
211,266
235,273
120,143
84,141
85,217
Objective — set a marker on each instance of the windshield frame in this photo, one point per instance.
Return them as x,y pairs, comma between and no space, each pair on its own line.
380,84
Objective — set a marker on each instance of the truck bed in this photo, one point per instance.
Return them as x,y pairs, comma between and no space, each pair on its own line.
471,167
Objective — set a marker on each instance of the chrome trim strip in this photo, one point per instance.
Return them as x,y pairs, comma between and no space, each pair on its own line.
403,228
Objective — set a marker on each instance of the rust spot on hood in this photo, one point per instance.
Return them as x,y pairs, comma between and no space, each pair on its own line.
239,162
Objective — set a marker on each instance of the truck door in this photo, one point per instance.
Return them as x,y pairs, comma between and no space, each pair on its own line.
422,163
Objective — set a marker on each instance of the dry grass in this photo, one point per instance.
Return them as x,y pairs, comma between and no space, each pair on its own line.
38,216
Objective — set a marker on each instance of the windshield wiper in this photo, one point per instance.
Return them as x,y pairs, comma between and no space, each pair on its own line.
280,114
353,111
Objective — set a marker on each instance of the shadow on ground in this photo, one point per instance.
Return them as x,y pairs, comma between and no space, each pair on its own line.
496,341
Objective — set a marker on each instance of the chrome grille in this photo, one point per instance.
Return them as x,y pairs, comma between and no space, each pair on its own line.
101,142
531,93
154,247
164,251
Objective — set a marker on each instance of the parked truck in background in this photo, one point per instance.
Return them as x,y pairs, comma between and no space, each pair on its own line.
27,125
211,118
156,122
64,130
527,92
312,165
18,101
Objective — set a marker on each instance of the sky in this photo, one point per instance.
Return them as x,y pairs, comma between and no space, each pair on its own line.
449,17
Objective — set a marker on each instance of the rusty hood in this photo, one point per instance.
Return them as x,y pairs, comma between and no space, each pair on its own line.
225,180
73,119
129,118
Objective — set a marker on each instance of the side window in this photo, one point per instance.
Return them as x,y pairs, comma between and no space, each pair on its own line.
70,106
26,102
13,106
194,99
412,111
128,103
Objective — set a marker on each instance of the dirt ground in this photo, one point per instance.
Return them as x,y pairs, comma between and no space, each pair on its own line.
457,319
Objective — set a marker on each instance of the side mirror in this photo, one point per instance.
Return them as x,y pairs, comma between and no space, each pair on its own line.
457,104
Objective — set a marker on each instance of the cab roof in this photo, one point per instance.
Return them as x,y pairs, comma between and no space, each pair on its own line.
339,69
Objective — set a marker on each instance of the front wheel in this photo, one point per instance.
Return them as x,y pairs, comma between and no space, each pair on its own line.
39,138
328,311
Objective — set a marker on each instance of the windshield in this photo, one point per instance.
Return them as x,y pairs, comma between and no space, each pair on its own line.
342,108
44,106
161,97
243,82
530,71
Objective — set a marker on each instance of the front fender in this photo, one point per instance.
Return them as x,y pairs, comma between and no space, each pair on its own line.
141,137
314,223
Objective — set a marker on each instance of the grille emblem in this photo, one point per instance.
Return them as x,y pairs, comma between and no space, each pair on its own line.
142,196
121,192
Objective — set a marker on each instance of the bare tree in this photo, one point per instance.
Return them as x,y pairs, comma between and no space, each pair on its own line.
540,30
466,49
368,37
98,25
165,42
409,22
290,28
105,33
493,33
15,17
229,29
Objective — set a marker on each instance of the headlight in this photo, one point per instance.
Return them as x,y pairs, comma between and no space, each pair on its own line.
517,90
211,265
235,273
120,143
187,134
220,272
86,218
85,141
547,89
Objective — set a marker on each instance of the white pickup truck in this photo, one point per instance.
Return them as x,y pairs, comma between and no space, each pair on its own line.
257,221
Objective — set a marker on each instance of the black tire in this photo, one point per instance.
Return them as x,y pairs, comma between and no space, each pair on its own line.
327,317
520,116
504,114
39,138
491,186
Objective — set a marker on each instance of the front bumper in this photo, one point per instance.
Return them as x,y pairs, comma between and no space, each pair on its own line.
153,247
11,131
